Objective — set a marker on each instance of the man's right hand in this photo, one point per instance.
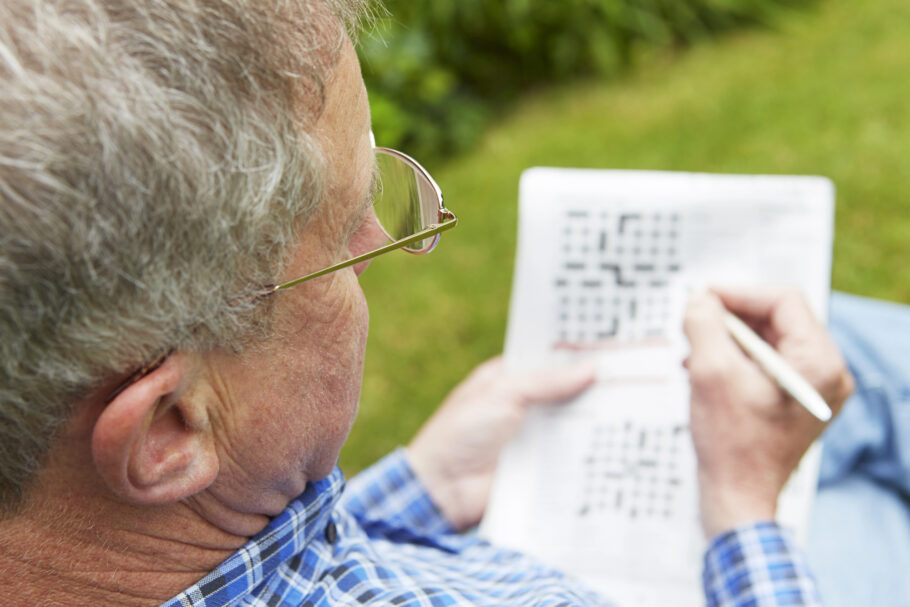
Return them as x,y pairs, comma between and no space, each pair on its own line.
749,435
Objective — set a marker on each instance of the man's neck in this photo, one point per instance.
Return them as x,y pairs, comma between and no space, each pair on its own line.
76,551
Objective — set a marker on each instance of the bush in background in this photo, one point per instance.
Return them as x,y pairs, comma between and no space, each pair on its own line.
437,70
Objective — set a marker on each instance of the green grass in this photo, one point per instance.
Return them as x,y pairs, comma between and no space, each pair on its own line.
826,91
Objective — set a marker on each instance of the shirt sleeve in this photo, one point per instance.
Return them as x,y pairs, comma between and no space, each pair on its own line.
757,566
388,492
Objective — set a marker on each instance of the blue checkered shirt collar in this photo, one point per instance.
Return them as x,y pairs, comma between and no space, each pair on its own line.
305,519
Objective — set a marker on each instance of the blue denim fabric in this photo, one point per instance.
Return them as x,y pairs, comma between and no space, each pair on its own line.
859,541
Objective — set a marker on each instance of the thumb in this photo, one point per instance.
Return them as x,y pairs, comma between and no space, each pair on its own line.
553,385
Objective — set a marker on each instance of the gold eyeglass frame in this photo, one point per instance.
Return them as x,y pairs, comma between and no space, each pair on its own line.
445,221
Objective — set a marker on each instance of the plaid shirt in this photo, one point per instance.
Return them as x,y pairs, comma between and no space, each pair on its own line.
385,543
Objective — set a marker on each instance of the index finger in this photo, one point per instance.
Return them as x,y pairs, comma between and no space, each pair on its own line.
705,330
785,310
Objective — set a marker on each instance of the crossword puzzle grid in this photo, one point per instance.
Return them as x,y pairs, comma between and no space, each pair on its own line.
615,270
633,470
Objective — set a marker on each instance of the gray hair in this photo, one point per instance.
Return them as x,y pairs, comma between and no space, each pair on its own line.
154,166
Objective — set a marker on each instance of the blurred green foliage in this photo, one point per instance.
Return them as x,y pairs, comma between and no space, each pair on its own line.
437,70
824,92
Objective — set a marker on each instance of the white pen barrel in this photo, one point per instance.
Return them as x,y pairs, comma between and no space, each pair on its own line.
779,369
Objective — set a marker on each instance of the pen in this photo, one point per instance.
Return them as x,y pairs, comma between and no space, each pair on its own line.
779,369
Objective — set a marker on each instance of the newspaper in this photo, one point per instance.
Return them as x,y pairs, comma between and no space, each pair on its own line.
604,487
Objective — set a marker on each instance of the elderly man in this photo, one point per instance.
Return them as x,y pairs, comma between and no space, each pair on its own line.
186,194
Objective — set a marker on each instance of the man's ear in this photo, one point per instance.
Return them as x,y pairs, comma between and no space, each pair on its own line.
153,444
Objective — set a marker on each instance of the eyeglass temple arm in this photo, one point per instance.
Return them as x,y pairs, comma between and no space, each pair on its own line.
449,222
438,228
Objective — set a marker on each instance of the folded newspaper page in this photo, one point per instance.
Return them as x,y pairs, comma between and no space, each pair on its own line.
604,487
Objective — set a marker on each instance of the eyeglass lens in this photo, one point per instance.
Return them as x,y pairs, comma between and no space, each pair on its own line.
406,203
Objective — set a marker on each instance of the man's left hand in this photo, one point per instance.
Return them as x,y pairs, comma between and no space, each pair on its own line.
455,453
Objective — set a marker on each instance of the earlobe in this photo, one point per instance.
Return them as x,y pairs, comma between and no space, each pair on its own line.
152,444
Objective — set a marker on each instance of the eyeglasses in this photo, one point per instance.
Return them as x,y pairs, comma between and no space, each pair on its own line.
409,209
